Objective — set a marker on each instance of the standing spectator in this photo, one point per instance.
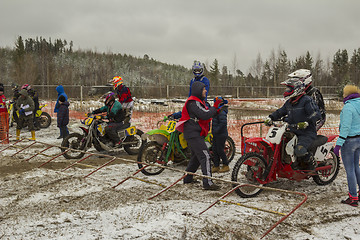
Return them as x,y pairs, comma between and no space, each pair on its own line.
2,99
349,141
16,95
194,122
35,97
60,92
124,95
198,71
63,116
26,107
220,134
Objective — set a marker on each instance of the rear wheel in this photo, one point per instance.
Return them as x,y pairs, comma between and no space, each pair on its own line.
327,176
73,141
151,153
136,143
230,149
250,168
44,120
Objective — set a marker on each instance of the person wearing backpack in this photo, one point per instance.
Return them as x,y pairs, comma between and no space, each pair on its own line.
305,76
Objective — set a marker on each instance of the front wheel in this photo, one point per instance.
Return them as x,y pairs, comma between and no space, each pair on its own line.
74,141
151,153
135,143
250,168
325,177
44,120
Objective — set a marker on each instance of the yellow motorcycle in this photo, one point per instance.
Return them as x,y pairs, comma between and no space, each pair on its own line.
43,118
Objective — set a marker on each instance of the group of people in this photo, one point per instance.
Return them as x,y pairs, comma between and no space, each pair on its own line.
25,103
304,110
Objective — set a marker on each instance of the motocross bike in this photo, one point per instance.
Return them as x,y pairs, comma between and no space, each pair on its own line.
265,159
94,134
167,144
43,118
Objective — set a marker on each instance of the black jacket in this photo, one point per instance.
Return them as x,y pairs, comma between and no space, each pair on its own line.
63,114
196,111
219,123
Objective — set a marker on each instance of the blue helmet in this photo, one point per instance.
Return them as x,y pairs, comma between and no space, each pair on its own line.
198,69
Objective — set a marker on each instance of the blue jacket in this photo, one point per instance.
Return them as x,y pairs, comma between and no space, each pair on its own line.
205,81
219,123
349,120
60,90
305,110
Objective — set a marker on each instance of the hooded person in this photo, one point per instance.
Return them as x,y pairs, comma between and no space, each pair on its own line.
349,141
61,92
194,123
26,106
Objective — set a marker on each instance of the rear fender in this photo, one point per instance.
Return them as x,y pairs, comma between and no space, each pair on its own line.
331,137
85,130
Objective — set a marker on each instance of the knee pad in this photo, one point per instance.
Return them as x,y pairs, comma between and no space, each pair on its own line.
300,151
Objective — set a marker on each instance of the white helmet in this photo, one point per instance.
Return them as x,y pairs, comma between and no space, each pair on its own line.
303,75
294,88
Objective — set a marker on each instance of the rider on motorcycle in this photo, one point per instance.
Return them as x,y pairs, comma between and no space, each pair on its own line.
124,95
305,76
302,113
116,116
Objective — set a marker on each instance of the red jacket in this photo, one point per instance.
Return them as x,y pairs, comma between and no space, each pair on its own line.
3,103
204,124
124,94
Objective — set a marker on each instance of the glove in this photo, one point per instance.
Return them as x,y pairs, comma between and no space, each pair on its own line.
166,118
22,111
217,102
337,150
170,117
302,125
268,121
89,114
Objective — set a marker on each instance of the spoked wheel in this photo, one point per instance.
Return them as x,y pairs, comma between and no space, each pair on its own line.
327,175
249,169
136,143
151,152
44,120
73,141
230,148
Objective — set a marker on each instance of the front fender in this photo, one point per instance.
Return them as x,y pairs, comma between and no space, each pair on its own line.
255,143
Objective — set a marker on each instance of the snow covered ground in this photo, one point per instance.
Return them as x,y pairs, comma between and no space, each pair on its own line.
48,203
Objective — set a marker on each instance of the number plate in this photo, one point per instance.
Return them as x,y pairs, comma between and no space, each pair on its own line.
171,126
131,131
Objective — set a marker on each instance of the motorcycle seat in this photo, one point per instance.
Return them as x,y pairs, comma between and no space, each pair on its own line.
125,126
320,140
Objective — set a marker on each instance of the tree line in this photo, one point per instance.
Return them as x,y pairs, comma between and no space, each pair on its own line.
43,61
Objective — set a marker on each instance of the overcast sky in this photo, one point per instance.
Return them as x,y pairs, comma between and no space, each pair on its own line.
180,31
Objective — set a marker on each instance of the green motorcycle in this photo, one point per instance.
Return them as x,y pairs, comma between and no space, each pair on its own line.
165,144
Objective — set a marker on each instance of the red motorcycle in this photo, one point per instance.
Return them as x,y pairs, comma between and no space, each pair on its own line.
264,159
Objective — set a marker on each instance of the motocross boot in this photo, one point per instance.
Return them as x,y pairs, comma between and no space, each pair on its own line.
33,135
224,168
215,169
18,134
312,164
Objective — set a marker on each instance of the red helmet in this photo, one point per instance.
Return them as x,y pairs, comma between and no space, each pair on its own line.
109,98
26,87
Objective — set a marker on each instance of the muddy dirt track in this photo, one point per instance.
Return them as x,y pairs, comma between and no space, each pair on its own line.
46,203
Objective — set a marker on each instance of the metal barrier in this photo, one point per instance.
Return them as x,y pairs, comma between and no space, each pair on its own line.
235,185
